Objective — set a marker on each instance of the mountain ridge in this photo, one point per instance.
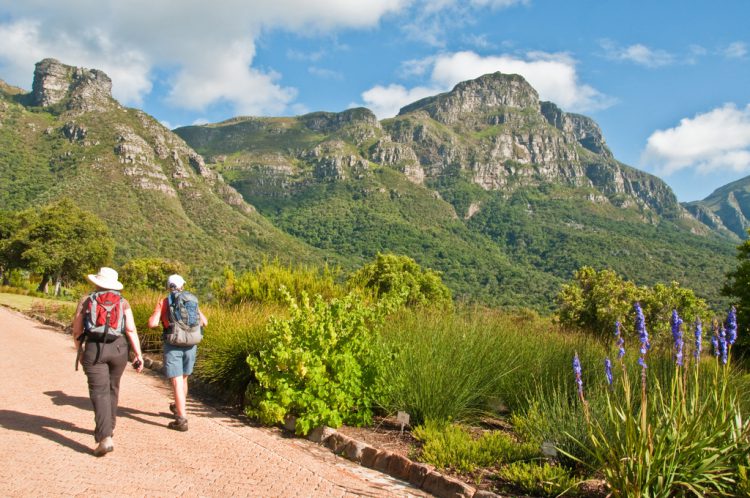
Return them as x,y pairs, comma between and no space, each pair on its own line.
484,153
69,137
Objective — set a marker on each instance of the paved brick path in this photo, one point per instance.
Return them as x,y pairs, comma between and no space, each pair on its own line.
46,437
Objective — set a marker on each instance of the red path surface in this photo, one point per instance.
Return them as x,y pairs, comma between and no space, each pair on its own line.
46,437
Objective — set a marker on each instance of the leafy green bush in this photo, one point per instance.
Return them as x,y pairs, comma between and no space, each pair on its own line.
149,273
392,274
594,301
446,445
265,284
323,364
538,479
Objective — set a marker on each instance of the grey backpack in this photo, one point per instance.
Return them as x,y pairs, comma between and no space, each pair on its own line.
184,320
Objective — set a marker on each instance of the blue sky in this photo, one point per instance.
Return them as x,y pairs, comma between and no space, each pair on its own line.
668,81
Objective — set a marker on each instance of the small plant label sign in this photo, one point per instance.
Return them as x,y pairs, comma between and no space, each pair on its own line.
403,419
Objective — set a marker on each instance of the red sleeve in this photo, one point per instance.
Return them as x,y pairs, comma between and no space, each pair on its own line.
165,313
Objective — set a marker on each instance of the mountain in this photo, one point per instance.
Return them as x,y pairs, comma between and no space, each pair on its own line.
69,137
726,210
505,194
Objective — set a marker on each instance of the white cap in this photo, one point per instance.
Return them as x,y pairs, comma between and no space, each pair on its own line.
175,281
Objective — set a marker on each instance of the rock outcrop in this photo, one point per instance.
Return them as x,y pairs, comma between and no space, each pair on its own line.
75,88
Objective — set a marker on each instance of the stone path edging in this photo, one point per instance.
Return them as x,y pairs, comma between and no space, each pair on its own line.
417,474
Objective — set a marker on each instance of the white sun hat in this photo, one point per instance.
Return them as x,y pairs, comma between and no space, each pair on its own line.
175,281
106,279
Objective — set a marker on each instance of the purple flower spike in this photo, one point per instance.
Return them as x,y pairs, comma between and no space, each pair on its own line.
732,326
640,328
608,370
577,372
698,339
723,345
677,337
620,341
715,345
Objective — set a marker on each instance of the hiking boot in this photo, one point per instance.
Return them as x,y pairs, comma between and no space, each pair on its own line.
173,408
105,446
179,424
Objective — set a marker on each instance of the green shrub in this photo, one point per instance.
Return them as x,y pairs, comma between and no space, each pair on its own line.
452,446
265,284
538,479
323,365
594,301
391,274
149,273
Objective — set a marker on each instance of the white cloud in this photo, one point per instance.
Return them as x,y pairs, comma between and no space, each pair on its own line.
735,50
638,53
326,74
712,141
385,101
209,47
554,77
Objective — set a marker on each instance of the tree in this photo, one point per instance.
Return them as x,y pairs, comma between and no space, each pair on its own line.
8,226
391,273
737,287
596,300
149,273
60,242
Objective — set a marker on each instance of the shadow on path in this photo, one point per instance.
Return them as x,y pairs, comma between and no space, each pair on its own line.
45,427
59,398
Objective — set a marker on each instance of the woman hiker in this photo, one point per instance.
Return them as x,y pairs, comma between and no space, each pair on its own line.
102,322
178,360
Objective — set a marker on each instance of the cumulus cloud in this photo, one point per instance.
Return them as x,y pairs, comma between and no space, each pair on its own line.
712,141
554,76
210,50
638,53
735,50
385,101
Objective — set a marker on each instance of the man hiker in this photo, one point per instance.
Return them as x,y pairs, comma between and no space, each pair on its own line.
182,322
102,322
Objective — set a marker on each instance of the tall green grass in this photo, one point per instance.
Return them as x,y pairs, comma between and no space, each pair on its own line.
232,335
456,366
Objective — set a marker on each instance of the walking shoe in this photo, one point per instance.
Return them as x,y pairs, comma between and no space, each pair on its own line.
173,408
105,446
179,424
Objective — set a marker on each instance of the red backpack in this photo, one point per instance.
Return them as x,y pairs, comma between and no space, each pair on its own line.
104,320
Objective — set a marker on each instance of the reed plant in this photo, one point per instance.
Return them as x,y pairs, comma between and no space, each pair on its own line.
445,366
678,431
233,334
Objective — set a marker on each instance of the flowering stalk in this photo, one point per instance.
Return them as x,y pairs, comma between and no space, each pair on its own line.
640,328
723,345
698,340
732,326
676,322
620,341
579,382
608,371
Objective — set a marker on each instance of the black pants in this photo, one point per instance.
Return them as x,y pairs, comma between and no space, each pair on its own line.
104,382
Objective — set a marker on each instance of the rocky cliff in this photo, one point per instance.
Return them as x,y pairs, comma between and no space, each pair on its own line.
69,137
726,210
